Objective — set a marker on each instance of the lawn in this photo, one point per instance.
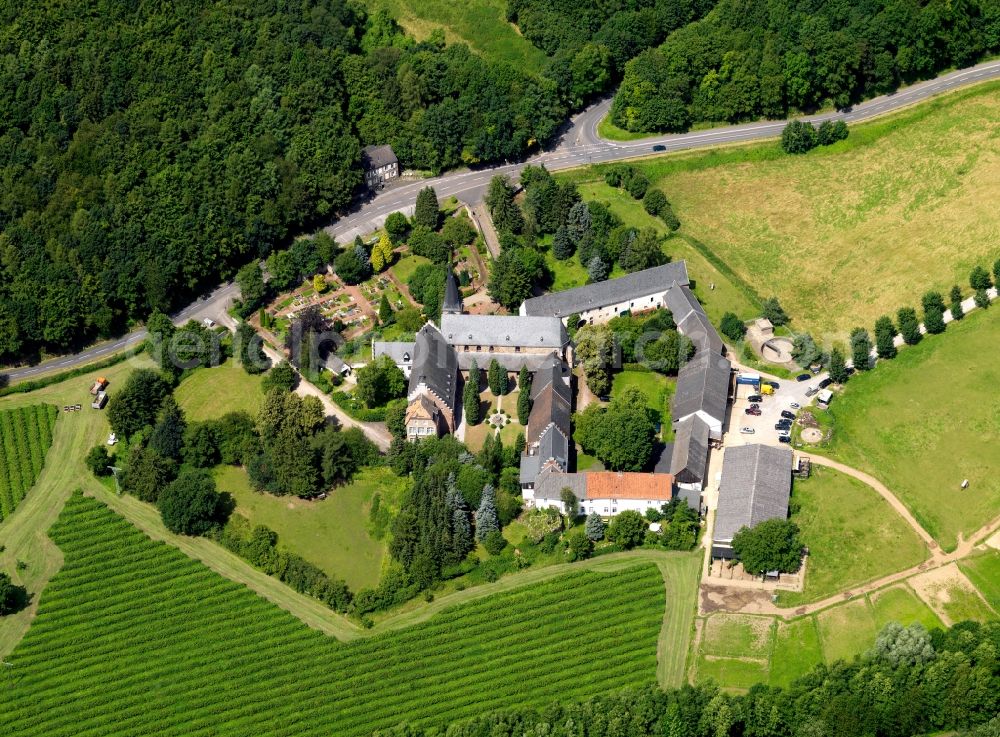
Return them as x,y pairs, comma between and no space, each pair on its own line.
187,630
404,268
900,604
332,533
734,635
846,630
960,603
657,388
983,570
928,419
855,230
852,534
475,435
796,651
209,393
481,24
731,673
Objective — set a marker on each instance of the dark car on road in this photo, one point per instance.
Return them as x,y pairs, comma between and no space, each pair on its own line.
825,383
773,384
659,147
803,377
755,411
755,398
784,438
782,424
787,415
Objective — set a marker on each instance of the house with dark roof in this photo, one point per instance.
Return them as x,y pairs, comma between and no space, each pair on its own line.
380,165
548,438
434,381
605,492
400,352
600,301
689,459
756,485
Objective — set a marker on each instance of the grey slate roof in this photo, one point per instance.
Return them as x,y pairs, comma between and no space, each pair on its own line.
551,371
756,484
375,157
435,364
529,468
691,319
452,297
550,483
689,458
555,446
613,291
702,385
550,408
400,352
504,331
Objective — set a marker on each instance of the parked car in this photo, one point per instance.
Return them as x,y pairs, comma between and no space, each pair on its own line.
755,398
208,323
784,438
795,405
811,391
784,434
755,411
788,415
803,377
782,425
747,430
825,383
773,384
755,405
659,147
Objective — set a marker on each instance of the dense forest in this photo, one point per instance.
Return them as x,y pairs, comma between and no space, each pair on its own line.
149,149
747,60
912,682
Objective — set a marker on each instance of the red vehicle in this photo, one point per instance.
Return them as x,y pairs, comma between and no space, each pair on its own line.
755,411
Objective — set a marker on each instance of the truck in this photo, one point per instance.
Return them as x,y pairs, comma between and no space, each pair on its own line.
748,380
100,384
766,389
100,400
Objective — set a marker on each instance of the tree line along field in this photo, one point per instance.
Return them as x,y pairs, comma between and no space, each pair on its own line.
927,420
25,438
132,636
852,231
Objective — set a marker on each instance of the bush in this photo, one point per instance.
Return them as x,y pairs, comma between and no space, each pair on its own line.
190,505
495,542
579,546
732,327
13,598
798,137
654,201
628,529
98,460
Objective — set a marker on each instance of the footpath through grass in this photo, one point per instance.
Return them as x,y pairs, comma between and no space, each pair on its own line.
852,533
189,630
927,420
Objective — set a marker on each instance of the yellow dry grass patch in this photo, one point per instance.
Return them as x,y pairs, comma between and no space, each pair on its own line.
845,234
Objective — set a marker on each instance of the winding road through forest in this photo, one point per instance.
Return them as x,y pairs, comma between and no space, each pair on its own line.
579,145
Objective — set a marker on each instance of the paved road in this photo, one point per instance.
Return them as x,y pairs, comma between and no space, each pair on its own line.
579,145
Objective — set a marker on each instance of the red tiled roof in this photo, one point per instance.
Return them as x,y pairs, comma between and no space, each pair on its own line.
627,485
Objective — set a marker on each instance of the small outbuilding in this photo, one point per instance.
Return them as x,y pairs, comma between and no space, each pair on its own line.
824,397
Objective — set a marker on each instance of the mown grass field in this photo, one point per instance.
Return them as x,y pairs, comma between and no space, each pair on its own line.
482,24
331,533
133,636
853,535
849,232
209,393
25,437
983,570
928,419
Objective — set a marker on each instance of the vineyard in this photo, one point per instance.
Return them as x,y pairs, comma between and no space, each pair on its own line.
25,437
133,637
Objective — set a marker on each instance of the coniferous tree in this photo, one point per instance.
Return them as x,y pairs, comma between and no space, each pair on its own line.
861,348
597,270
524,397
497,378
427,212
836,366
909,326
167,437
979,278
470,395
982,299
594,527
487,520
934,320
957,311
384,310
562,245
885,332
578,222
